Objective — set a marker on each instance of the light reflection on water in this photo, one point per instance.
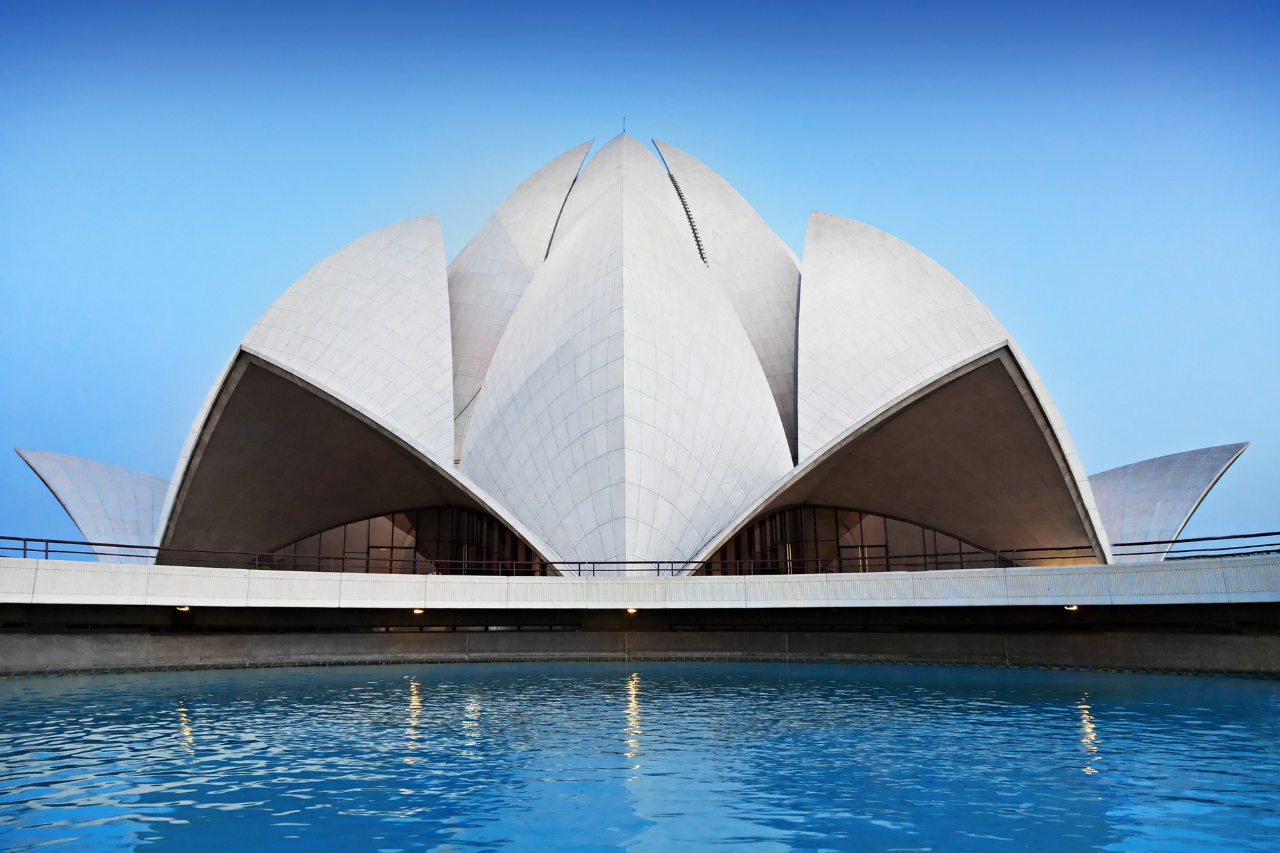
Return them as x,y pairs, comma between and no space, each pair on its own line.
639,756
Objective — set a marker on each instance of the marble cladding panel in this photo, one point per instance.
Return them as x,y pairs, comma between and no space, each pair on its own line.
108,503
17,579
1251,579
1084,587
1192,581
179,586
70,582
304,589
1183,583
946,588
489,276
370,325
862,590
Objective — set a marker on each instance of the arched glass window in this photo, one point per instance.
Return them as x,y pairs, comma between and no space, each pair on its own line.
426,540
812,539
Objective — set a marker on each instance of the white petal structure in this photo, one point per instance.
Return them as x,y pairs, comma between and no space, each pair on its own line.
109,504
877,319
1153,500
757,270
370,325
490,274
882,326
626,364
625,416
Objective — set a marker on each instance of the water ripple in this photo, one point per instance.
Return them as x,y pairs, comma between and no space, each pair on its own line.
643,757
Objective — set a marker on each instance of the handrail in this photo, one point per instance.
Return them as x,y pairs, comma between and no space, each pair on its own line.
871,558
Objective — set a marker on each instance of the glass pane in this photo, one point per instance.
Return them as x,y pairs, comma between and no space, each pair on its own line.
331,542
358,537
403,536
380,559
948,552
380,531
906,545
310,545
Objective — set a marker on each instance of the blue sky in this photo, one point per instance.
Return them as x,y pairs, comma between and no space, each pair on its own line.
1105,177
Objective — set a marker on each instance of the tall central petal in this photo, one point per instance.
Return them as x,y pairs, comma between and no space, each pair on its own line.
625,415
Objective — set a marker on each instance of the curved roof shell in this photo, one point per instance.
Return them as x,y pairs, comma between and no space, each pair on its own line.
370,325
108,503
1152,500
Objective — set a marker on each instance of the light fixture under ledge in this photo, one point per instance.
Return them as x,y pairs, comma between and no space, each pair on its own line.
631,610
417,610
184,609
1070,607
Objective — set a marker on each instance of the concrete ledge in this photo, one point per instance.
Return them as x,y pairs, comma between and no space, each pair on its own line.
1211,581
39,654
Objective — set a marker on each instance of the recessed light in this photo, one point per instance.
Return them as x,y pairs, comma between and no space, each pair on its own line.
416,610
1070,607
631,610
184,609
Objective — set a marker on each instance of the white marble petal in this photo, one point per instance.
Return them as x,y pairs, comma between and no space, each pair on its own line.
757,270
490,274
624,415
879,318
108,503
370,324
1154,499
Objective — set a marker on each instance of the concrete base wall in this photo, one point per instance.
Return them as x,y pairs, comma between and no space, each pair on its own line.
22,654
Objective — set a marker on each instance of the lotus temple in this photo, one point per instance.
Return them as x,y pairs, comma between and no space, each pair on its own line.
627,399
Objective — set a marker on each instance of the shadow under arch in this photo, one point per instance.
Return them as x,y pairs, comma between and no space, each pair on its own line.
971,453
278,458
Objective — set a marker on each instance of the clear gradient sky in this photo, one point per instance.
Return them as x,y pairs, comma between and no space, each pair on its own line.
1105,177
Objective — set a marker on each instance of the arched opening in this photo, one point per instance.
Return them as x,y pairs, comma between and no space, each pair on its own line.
820,539
424,540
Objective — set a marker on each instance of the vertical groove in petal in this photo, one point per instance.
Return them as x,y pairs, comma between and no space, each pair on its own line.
756,269
490,275
623,416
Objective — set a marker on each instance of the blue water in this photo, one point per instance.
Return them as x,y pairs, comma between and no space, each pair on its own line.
646,757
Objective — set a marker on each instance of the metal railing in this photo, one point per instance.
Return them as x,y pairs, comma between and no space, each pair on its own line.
869,558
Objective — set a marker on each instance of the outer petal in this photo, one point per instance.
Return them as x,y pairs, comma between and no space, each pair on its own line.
1154,499
338,405
878,319
370,325
971,454
624,416
490,274
756,269
278,458
107,502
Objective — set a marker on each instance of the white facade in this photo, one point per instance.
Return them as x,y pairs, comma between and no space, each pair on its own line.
602,423
625,367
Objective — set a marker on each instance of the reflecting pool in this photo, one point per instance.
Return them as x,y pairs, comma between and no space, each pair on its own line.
646,757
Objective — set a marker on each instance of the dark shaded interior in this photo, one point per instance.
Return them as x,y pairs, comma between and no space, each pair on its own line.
969,458
279,461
